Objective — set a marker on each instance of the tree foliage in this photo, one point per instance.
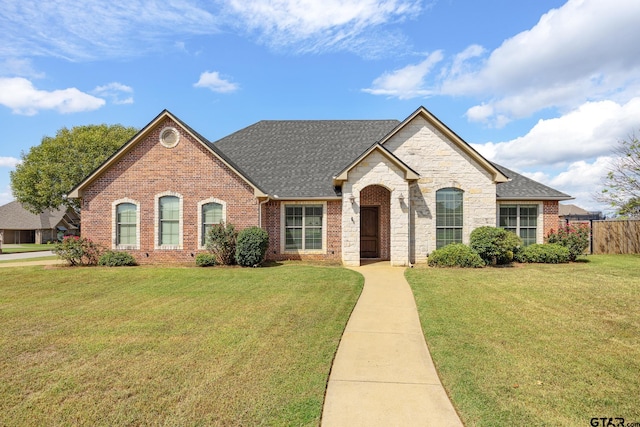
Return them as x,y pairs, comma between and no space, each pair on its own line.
50,170
622,183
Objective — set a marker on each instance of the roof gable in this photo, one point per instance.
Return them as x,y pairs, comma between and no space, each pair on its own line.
409,174
496,174
129,145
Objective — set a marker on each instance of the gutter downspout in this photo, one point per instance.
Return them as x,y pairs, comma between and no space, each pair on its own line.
260,210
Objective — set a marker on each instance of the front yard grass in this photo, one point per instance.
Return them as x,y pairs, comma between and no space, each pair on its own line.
170,346
536,344
26,247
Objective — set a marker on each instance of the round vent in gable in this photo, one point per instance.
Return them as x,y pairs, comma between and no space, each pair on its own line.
169,137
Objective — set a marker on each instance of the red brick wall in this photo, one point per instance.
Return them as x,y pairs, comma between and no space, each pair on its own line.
375,195
271,221
550,216
149,169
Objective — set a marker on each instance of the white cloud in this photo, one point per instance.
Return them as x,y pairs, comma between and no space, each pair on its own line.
407,82
94,29
116,92
590,131
213,81
22,97
6,196
19,67
584,50
9,162
314,26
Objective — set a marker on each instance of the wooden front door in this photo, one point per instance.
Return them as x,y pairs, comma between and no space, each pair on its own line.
369,236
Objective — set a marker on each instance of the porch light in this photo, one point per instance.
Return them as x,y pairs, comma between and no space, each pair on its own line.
401,198
352,199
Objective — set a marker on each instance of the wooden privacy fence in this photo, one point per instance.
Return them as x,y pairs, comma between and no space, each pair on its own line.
615,237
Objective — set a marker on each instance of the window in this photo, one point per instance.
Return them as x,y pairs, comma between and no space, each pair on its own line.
448,216
211,214
126,224
303,227
169,221
520,219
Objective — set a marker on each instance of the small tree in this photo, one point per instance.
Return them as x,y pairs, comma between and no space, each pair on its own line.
575,238
221,242
494,245
251,246
622,183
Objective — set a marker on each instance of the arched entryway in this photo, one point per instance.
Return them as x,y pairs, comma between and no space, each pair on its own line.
375,222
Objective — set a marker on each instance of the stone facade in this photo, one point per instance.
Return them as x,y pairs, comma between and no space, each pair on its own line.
441,164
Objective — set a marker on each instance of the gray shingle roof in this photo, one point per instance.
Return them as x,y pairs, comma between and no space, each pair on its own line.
14,217
298,158
522,188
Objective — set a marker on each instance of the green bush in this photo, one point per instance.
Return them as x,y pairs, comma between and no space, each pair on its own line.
494,245
116,259
78,250
251,246
455,255
221,242
575,238
548,253
205,260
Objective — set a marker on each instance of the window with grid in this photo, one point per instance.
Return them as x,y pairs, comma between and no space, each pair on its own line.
520,219
126,224
303,227
169,220
449,216
211,214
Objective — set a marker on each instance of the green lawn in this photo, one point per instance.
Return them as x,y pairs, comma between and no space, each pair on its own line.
40,258
27,247
170,346
536,344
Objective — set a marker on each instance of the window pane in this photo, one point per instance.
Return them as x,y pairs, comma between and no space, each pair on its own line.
126,213
169,233
293,238
169,207
127,234
449,216
211,213
126,224
313,238
528,236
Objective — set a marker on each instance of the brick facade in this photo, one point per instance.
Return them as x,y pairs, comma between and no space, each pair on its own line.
550,216
149,169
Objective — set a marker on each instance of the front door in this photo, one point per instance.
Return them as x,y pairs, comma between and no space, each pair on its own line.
369,238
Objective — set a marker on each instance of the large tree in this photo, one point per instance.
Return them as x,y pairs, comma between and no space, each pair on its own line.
50,170
622,184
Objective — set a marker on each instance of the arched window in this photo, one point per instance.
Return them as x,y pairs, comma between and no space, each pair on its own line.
169,226
211,214
126,224
449,216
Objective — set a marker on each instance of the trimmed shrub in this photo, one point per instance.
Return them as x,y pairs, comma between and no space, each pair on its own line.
221,242
205,260
116,259
494,245
548,253
251,246
78,250
575,238
455,255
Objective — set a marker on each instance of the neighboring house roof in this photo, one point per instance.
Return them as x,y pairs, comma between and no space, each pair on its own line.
565,210
522,188
14,217
299,158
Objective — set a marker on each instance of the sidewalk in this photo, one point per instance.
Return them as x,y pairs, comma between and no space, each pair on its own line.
383,374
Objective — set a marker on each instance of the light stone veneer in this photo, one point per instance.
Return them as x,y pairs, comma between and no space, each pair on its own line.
441,164
375,169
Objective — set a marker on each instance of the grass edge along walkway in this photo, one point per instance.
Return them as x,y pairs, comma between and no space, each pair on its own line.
180,346
535,344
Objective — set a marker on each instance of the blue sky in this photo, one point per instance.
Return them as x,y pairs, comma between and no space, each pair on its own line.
543,87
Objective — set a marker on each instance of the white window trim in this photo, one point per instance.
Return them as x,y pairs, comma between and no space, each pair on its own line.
283,249
202,203
540,218
114,225
156,208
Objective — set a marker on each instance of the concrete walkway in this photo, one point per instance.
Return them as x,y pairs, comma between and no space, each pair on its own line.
383,374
